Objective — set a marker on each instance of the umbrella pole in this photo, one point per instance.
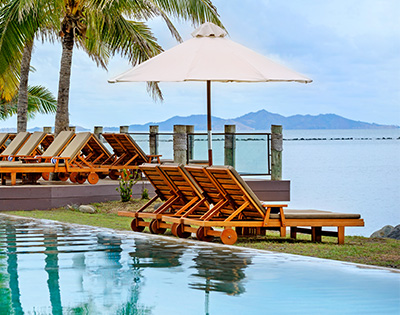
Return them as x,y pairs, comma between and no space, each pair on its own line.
209,126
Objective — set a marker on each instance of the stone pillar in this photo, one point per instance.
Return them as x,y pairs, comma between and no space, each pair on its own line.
230,145
124,129
153,140
47,129
276,152
190,142
98,130
72,128
180,144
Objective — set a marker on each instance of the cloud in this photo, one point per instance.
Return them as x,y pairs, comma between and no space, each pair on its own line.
348,47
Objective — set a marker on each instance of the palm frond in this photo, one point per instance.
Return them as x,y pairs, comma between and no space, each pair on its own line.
40,100
196,11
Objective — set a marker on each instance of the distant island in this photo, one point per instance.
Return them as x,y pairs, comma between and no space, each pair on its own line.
260,120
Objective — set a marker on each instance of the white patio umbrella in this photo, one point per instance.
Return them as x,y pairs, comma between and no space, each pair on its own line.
210,56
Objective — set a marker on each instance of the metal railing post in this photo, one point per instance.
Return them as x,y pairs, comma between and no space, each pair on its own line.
190,142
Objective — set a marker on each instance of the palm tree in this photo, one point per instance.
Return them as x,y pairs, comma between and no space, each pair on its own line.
17,33
102,28
40,100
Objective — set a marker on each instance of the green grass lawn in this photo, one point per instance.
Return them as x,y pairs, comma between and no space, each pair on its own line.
357,249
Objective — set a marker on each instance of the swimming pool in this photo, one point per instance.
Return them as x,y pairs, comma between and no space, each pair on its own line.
52,268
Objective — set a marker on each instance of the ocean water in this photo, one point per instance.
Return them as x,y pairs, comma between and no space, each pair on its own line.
352,171
358,171
53,268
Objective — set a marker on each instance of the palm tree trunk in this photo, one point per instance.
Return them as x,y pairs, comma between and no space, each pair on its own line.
62,114
22,107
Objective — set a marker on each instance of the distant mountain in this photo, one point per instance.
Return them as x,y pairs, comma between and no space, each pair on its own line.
261,120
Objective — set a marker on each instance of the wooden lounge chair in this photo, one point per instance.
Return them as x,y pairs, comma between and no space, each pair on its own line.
14,145
77,161
238,207
54,149
30,147
3,140
127,154
178,193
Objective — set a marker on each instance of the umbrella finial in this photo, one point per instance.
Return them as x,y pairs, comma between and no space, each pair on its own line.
209,29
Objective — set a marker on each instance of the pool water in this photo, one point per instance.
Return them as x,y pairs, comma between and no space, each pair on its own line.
52,268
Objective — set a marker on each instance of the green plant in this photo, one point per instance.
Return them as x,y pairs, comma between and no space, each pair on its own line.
125,184
145,193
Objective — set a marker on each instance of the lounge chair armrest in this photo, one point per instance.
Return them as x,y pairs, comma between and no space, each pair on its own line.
152,156
267,205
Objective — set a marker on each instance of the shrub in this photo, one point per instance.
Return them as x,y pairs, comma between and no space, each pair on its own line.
125,184
145,193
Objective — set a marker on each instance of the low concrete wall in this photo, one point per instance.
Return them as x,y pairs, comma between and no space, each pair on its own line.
48,196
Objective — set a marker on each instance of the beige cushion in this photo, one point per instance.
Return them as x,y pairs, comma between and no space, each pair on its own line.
3,137
5,164
76,145
14,145
31,144
315,214
58,143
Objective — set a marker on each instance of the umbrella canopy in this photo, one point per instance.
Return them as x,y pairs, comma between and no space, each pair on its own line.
210,56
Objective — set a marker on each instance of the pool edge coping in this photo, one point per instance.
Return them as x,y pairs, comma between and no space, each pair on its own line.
206,244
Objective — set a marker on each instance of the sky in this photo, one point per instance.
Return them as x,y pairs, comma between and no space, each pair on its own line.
349,48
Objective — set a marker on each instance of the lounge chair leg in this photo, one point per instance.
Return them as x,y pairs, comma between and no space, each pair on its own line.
13,179
316,234
340,235
293,232
282,229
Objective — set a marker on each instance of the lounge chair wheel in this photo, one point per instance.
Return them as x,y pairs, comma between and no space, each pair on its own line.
46,176
93,178
81,178
114,174
72,177
229,236
63,176
135,225
173,229
154,227
102,175
201,235
180,231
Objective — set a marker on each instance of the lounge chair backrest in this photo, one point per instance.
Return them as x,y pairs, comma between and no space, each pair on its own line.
137,147
3,138
31,144
76,145
58,144
160,184
14,145
202,179
123,143
235,186
181,180
96,151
